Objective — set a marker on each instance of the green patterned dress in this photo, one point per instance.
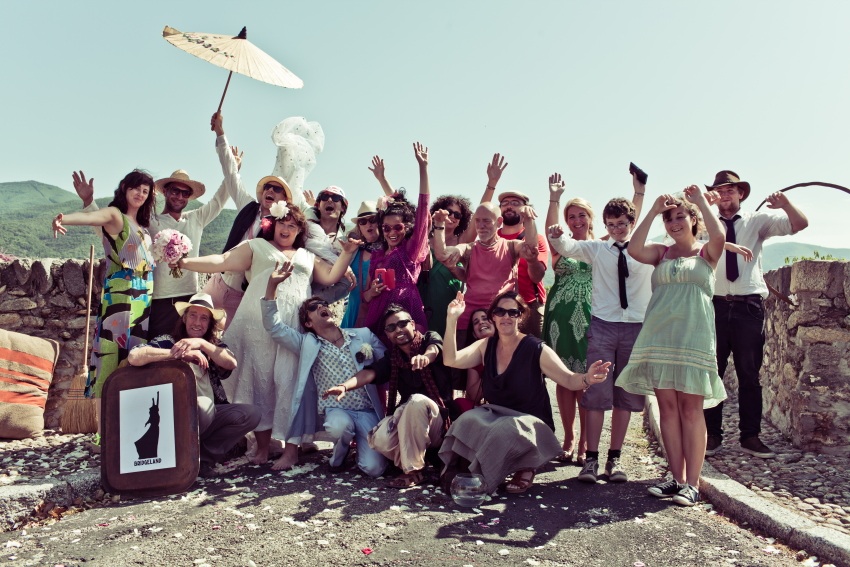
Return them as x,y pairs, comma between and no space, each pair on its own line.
125,304
567,314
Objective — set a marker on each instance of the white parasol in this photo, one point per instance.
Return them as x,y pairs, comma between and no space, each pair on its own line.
234,54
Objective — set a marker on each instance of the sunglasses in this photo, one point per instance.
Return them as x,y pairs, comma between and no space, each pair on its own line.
456,214
395,228
331,196
276,188
501,312
185,193
367,220
398,325
511,203
316,304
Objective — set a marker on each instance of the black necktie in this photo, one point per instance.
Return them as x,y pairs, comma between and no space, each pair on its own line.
731,257
623,273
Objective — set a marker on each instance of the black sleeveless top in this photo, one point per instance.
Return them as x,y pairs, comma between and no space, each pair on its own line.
521,387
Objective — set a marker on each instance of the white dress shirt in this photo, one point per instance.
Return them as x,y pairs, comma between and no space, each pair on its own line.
605,298
751,230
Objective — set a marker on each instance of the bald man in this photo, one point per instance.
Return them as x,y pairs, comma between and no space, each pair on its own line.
491,261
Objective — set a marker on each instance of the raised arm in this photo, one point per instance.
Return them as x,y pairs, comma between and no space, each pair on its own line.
325,274
553,213
494,172
229,164
780,200
237,259
639,249
529,242
715,247
441,251
637,198
379,172
417,244
469,357
552,367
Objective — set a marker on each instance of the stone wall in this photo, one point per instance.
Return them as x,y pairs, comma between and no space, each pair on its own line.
806,371
47,298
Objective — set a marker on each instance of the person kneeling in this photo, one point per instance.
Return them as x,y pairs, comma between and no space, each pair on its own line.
414,370
328,353
221,425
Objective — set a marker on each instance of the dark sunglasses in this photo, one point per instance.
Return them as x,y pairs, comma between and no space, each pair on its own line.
397,325
395,227
316,304
456,214
331,196
367,220
501,312
276,188
185,193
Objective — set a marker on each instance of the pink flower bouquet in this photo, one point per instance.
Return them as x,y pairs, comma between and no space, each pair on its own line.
169,247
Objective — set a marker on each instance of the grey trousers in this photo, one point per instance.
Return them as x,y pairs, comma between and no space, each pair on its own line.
222,426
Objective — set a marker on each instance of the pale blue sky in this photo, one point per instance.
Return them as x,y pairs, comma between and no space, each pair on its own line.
680,88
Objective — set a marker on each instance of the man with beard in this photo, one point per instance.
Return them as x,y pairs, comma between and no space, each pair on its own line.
414,371
529,272
491,261
221,425
738,311
178,190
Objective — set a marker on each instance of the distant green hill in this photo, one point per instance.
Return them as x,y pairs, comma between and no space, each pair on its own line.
28,209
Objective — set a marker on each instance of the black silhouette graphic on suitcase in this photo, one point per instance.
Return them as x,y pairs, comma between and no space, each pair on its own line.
148,443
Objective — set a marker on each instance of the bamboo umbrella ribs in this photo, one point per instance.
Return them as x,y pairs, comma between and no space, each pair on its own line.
236,54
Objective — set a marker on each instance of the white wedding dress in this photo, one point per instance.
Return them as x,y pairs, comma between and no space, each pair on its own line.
265,374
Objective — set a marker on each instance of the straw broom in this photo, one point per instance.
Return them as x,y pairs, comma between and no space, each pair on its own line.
80,415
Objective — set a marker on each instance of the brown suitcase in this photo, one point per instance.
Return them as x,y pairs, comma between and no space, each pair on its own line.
149,425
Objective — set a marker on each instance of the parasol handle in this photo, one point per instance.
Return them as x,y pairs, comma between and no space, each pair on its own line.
227,84
88,307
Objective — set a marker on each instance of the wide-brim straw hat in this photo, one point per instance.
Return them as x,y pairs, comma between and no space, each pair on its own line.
200,300
286,190
521,196
180,176
727,177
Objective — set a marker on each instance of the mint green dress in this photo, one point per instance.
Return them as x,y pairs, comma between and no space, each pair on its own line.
567,313
676,347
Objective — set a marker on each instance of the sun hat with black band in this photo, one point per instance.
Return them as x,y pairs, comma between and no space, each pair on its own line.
273,178
180,176
727,177
200,300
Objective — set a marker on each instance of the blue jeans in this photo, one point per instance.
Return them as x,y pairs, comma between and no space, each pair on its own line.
740,331
345,425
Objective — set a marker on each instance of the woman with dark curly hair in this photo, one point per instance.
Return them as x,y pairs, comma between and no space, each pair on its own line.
438,282
404,234
128,286
265,376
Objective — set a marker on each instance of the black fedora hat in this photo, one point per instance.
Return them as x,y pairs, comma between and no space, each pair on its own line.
728,177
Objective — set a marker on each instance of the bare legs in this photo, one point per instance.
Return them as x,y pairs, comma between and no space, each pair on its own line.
684,434
619,426
288,459
567,402
264,438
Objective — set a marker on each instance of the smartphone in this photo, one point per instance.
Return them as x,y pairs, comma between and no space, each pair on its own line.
641,175
386,276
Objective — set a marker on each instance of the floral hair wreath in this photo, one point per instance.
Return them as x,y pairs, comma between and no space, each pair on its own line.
279,210
384,203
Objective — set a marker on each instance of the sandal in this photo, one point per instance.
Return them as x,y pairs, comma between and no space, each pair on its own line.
407,480
521,481
565,457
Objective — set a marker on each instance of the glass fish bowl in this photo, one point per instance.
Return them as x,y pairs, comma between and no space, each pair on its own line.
468,489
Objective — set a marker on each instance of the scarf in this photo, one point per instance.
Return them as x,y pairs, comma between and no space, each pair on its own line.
401,361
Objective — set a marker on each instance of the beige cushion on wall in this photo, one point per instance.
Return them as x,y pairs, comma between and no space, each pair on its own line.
26,370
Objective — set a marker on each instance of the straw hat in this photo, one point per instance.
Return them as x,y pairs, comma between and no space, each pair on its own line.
180,176
367,209
286,190
727,177
200,300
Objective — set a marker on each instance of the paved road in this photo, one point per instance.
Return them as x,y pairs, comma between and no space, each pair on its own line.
312,518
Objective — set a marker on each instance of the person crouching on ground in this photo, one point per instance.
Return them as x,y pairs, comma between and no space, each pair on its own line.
328,354
514,432
414,370
221,425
